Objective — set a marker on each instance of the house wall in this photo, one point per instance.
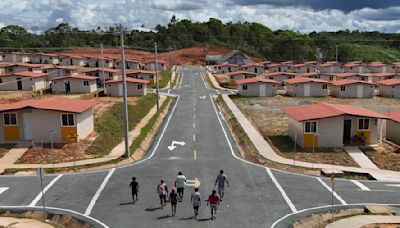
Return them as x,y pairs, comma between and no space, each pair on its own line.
357,69
24,68
44,121
351,91
131,65
85,123
152,66
254,90
227,69
112,89
389,91
254,69
144,76
332,69
237,77
296,128
28,84
393,131
297,90
77,86
281,78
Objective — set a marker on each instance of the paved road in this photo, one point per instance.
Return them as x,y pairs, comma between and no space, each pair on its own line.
257,196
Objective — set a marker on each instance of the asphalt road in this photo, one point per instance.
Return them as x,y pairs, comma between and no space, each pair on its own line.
257,196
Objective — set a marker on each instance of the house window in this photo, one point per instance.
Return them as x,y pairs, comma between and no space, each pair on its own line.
30,69
1,80
342,88
324,86
244,87
272,78
363,124
10,119
67,120
310,127
330,78
67,72
140,86
9,70
85,83
392,86
151,76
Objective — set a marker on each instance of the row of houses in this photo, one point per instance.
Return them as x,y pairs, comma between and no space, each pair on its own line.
94,61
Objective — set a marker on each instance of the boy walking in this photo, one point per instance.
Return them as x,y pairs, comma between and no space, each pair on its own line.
162,191
180,184
135,189
173,198
221,179
196,201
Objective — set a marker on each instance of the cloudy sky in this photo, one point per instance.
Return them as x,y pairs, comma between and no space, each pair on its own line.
300,15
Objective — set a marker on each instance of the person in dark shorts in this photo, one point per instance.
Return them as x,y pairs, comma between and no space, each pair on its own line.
173,198
180,185
162,191
213,201
135,189
196,201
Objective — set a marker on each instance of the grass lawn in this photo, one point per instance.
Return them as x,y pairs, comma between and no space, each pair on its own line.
385,157
165,78
284,146
109,127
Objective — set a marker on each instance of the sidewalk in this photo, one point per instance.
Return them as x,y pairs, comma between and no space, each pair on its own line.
362,220
267,152
359,157
12,156
115,153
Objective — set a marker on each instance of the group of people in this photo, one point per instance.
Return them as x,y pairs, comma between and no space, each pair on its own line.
177,192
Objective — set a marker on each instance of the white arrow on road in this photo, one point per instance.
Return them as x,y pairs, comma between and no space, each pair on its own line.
174,143
193,183
3,189
203,97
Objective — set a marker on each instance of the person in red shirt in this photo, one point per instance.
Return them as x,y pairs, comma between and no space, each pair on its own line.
213,200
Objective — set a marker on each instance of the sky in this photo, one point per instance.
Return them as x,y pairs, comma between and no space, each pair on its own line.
299,15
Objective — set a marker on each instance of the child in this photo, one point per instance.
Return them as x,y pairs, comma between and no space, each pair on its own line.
135,189
213,200
173,198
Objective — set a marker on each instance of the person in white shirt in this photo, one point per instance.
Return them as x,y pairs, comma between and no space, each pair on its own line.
180,185
196,201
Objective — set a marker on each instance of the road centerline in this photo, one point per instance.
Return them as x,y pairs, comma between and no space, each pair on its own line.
40,195
98,192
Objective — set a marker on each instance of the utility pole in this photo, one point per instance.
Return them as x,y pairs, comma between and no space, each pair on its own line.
170,63
125,96
336,53
102,65
174,55
158,95
206,55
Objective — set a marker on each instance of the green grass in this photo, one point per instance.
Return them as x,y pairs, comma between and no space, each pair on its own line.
368,53
147,129
208,80
165,78
177,77
110,126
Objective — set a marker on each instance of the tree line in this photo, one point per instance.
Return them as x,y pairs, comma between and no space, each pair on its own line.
252,38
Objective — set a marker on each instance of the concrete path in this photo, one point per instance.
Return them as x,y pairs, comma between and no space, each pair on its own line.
22,223
12,156
358,156
362,220
266,150
115,153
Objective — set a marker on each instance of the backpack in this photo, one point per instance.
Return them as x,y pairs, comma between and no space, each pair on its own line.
161,189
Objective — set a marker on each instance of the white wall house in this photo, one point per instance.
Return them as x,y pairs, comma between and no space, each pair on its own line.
257,87
151,65
23,81
226,68
78,84
135,87
253,68
331,68
352,89
20,57
279,76
306,87
393,127
45,58
142,74
389,88
237,75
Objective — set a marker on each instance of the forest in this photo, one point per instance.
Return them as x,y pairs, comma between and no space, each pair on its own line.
252,38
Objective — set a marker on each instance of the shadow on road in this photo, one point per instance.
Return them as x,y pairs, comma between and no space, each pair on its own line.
127,203
203,220
151,209
164,217
188,218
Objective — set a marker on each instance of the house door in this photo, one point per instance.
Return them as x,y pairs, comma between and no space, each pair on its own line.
19,84
360,91
306,90
27,121
347,132
263,90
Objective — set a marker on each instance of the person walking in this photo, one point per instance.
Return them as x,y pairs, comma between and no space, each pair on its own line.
135,189
180,185
196,201
162,191
213,201
173,198
220,181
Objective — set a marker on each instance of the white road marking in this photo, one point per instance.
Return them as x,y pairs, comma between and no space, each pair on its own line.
174,143
360,185
330,190
39,196
283,193
393,185
3,189
97,194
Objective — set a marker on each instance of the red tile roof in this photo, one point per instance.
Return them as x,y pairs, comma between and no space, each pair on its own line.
226,64
134,71
344,75
389,82
68,67
153,61
29,65
76,76
130,80
395,116
382,74
54,103
274,65
376,64
108,70
349,82
304,80
277,73
287,62
240,72
310,74
255,80
352,64
27,74
324,110
251,65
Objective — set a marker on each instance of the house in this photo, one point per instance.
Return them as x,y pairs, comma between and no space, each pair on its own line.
375,77
19,57
393,127
235,57
109,74
274,67
135,87
45,58
347,88
66,70
212,59
331,68
142,74
257,87
310,75
350,76
135,64
237,75
389,88
223,80
72,60
74,84
264,63
254,68
151,65
287,66
226,68
380,67
23,81
61,119
279,76
306,87
355,67
304,68
332,125
97,62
